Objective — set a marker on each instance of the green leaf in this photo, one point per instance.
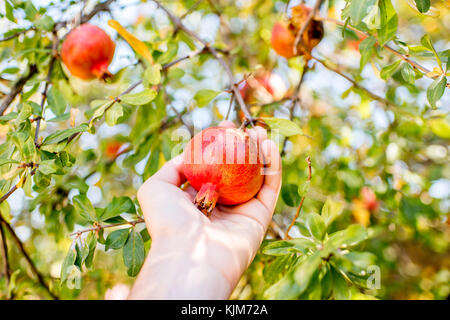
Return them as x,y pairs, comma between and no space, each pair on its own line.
289,194
366,48
436,90
422,5
357,10
152,164
140,98
68,262
84,207
340,287
204,96
427,43
4,161
313,223
306,270
388,71
134,253
25,113
56,101
30,11
28,149
388,22
283,247
113,114
331,210
9,116
351,236
48,167
63,134
117,207
45,23
285,127
440,127
92,244
408,73
9,12
152,75
303,189
145,235
117,239
276,268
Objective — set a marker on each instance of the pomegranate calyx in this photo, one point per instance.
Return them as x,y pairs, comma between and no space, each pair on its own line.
206,198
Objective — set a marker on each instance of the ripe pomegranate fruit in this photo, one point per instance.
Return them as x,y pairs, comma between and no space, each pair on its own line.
283,34
369,199
223,165
112,149
87,52
264,88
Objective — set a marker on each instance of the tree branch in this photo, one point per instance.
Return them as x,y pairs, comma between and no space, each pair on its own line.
47,83
15,35
17,88
27,257
4,250
99,227
387,47
358,86
179,25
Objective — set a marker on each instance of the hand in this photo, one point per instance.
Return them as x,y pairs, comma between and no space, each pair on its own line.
195,257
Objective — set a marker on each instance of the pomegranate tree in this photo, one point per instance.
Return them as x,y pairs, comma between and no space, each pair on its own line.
87,52
224,166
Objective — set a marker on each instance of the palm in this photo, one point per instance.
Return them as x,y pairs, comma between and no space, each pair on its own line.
230,238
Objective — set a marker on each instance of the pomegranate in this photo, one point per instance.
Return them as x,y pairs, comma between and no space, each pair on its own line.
283,34
112,149
223,165
87,52
264,87
369,198
282,40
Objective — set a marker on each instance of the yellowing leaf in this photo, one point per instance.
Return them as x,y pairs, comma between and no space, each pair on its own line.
134,42
435,73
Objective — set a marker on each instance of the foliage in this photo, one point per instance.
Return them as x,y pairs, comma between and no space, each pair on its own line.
363,107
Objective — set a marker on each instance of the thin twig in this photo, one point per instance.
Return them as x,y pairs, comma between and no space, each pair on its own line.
17,88
99,227
305,25
230,106
387,47
299,208
48,80
179,25
358,86
15,35
27,257
4,250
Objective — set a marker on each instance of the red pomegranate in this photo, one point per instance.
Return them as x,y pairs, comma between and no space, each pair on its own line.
87,52
223,165
282,40
369,199
265,87
284,33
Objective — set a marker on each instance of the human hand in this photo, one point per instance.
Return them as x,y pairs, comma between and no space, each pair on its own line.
193,256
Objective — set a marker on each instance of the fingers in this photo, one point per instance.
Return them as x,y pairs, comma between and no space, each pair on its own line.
272,175
257,134
171,172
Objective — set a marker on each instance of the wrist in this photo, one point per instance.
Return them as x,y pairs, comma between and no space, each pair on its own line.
171,271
